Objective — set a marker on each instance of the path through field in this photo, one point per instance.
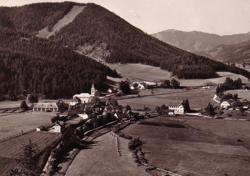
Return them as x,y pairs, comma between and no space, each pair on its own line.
103,160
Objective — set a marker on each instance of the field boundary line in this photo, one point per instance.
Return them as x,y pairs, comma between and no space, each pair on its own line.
16,135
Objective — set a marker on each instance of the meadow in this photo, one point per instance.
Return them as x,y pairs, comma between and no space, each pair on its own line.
193,146
15,123
141,72
102,159
198,98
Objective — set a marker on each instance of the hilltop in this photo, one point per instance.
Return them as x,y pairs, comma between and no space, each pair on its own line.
94,31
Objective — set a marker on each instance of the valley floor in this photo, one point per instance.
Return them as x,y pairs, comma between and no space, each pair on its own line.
102,159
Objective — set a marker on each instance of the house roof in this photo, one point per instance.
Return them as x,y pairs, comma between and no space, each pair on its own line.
82,95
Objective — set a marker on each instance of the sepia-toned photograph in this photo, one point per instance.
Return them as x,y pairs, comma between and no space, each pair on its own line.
125,88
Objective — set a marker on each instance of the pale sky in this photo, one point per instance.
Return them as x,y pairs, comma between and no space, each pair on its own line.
213,16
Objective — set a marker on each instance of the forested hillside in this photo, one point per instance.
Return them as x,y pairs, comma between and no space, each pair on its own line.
31,18
38,65
102,34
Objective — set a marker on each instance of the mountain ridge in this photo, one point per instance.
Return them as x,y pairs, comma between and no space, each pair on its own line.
201,42
98,32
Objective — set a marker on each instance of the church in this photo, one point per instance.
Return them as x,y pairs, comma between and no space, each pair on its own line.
85,97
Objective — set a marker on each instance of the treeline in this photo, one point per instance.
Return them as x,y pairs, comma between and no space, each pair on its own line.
229,84
38,66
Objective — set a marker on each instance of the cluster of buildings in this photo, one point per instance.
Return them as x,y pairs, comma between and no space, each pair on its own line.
141,85
232,104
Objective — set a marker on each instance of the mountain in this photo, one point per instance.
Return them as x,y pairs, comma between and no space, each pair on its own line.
94,31
38,65
199,42
237,53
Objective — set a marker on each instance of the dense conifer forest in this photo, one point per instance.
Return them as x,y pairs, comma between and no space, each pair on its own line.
41,66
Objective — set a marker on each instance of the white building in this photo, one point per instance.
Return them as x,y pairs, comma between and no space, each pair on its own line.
85,97
55,129
46,107
225,105
177,109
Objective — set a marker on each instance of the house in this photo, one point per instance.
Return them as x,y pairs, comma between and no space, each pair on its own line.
149,84
225,105
55,129
45,107
171,112
85,97
137,85
179,109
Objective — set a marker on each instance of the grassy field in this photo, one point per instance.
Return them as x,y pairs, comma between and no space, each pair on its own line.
195,146
13,149
243,94
102,159
14,123
198,98
9,104
138,72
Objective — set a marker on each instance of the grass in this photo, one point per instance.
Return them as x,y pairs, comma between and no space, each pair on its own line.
102,159
12,149
198,98
14,123
203,147
140,72
243,94
9,104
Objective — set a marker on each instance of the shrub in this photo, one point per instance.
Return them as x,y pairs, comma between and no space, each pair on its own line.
134,143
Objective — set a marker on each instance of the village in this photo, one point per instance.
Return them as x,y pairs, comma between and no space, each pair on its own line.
76,123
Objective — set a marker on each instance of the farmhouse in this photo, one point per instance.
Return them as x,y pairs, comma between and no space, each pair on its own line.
225,105
85,97
46,107
177,109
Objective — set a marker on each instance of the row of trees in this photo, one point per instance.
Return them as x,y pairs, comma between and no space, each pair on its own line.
173,83
229,84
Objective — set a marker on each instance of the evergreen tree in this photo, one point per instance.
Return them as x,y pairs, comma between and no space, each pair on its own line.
209,110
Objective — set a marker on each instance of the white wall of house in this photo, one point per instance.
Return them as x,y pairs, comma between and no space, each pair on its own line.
224,105
177,109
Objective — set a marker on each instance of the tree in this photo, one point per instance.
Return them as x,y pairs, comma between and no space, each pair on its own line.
62,105
124,87
186,106
174,83
27,164
134,143
166,84
24,106
209,110
32,98
127,108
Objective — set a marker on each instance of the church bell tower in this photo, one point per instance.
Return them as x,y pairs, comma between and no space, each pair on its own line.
93,90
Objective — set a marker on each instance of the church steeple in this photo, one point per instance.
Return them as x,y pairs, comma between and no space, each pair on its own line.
93,90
